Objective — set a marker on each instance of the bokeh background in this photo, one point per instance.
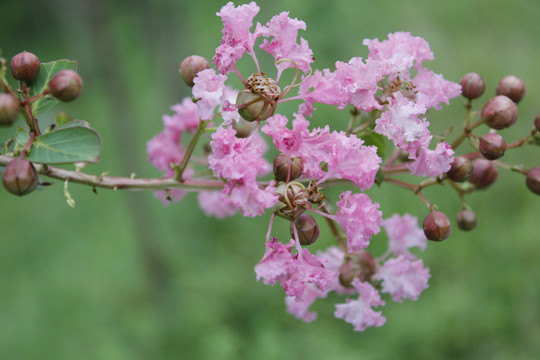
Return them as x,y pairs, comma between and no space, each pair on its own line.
123,277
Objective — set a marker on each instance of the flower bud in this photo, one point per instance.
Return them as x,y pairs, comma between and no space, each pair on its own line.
472,86
20,177
66,85
257,106
190,67
460,170
499,112
360,265
437,226
492,146
466,220
307,229
243,128
513,87
25,66
258,100
281,167
537,122
484,173
533,180
9,109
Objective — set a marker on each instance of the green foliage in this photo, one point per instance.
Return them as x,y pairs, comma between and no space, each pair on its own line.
74,142
46,72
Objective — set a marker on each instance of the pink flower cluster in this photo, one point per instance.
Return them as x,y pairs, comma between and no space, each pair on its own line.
392,84
401,276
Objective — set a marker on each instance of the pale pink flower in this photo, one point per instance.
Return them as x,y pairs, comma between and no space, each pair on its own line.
333,257
247,195
186,117
399,53
215,203
309,269
299,308
359,81
403,278
359,312
237,39
284,32
285,140
322,87
209,89
293,271
345,158
359,218
436,89
235,158
431,163
401,122
277,263
403,233
164,149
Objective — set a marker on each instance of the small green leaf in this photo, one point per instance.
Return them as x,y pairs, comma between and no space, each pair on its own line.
68,144
378,140
46,72
62,119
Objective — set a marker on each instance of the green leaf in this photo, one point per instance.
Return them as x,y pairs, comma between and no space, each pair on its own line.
62,118
68,144
46,72
378,140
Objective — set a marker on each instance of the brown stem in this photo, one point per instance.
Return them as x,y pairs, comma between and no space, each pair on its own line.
122,183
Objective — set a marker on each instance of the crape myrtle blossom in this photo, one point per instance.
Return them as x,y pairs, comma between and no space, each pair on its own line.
359,312
359,217
403,278
293,270
403,233
345,156
390,91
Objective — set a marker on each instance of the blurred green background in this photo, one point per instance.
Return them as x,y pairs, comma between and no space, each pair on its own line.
123,277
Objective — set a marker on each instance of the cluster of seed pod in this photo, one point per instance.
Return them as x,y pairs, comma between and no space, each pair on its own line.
499,112
19,176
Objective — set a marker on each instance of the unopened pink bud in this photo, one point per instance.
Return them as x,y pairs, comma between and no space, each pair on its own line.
190,67
513,87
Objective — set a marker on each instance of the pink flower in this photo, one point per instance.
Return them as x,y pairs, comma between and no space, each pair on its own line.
401,122
293,271
309,269
359,312
284,32
249,197
322,87
431,163
164,149
333,257
403,233
359,81
300,308
186,118
209,89
399,53
237,38
277,262
403,278
345,158
236,158
359,218
285,140
215,203
436,89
